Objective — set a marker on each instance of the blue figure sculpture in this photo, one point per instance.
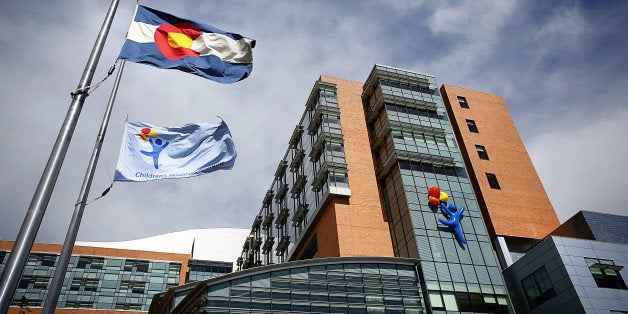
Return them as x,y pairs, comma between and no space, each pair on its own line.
454,219
157,148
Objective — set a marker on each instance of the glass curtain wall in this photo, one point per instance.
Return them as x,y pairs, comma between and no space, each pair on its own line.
332,285
415,148
94,282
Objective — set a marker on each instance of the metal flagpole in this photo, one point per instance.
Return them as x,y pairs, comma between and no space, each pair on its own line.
66,252
26,237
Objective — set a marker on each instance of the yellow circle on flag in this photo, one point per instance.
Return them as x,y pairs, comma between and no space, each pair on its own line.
178,40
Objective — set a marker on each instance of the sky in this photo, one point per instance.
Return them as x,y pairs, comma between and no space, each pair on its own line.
561,67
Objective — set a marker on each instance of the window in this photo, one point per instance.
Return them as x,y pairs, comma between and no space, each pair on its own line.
606,273
25,282
334,151
463,102
472,126
24,302
41,259
128,306
338,178
90,262
48,260
37,282
174,269
481,152
142,267
82,263
86,283
468,302
136,265
41,283
132,286
538,287
492,181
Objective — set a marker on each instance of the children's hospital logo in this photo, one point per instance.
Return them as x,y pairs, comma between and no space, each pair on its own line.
158,145
438,197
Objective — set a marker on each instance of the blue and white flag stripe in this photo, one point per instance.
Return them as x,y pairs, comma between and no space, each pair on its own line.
151,152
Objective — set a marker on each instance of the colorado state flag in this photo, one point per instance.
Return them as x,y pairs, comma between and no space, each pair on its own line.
151,152
169,42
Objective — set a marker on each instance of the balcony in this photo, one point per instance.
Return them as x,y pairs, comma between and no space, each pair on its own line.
281,169
299,215
380,133
282,217
321,176
281,193
296,136
256,223
314,97
321,110
299,154
268,245
319,145
379,100
386,165
268,198
256,243
282,246
268,221
298,186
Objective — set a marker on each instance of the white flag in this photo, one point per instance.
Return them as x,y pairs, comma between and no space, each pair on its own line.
151,152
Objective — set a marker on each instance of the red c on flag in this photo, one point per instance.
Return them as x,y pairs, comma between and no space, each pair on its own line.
175,41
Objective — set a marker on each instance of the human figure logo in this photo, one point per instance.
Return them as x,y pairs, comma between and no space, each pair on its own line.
454,220
438,197
158,145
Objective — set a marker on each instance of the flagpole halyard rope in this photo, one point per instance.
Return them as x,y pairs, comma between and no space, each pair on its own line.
88,89
85,203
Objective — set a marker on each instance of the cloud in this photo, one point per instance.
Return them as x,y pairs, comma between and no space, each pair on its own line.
471,28
563,31
582,166
403,6
471,19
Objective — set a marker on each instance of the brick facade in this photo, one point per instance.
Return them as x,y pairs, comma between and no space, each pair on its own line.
343,226
521,206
